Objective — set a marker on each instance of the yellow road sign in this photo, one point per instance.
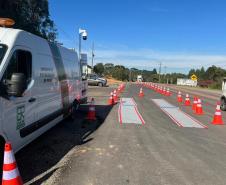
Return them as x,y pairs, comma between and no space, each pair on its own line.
194,77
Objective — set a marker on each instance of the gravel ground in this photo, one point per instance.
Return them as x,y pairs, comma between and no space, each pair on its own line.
49,154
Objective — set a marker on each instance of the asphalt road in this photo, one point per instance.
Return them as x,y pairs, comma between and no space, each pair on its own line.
108,153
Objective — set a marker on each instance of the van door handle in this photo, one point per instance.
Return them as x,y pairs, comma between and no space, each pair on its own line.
31,100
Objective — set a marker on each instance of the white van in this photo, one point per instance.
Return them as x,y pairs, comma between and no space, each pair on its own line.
39,85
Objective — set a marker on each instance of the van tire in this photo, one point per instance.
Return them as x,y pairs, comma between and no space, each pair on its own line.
2,145
74,108
223,104
100,84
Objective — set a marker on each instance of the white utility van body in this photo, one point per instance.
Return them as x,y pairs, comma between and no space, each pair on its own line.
223,97
40,83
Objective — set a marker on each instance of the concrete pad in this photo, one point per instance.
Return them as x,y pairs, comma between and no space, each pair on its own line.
178,116
128,102
128,112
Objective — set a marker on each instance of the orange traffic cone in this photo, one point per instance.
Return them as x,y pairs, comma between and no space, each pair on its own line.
111,99
168,92
92,111
115,96
11,175
199,109
217,119
163,91
194,105
187,100
179,97
141,93
160,90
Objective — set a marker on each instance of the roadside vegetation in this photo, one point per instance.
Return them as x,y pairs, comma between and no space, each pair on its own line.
211,77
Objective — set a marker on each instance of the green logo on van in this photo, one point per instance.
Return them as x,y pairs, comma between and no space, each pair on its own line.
20,122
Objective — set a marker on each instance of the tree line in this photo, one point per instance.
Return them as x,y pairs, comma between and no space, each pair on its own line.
211,77
30,15
123,73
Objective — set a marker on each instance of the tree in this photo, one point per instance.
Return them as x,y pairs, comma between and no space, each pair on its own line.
191,72
154,71
99,69
108,67
202,73
30,15
120,73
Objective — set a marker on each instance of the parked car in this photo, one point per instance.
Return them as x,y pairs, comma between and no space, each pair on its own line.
94,79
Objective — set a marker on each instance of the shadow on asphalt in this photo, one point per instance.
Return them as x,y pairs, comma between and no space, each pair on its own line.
41,156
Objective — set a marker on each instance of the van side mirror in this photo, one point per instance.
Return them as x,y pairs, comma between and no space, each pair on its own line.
17,85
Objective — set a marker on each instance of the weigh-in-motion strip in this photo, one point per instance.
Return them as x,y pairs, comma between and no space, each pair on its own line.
179,117
128,112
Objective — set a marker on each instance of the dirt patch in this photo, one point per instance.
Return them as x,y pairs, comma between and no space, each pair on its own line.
112,81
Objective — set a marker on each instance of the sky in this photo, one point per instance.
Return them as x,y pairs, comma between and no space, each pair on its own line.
180,34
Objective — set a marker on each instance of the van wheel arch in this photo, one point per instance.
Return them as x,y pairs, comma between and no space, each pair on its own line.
73,109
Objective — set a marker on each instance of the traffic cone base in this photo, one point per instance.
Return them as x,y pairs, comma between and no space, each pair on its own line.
199,110
111,100
115,96
187,102
194,105
179,99
92,112
217,119
141,94
11,175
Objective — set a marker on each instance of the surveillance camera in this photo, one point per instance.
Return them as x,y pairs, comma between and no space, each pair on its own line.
84,35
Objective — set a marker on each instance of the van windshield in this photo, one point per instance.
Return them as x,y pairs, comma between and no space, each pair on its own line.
3,49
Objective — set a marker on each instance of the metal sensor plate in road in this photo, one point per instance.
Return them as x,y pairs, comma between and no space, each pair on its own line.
179,117
128,112
128,102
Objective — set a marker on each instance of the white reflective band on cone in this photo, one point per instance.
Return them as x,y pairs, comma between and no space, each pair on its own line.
9,157
199,105
218,113
92,108
9,175
218,107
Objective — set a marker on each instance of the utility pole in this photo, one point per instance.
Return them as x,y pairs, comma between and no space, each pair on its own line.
92,57
130,73
164,73
160,69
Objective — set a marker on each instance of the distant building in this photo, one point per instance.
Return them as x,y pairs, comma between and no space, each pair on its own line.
186,82
87,69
